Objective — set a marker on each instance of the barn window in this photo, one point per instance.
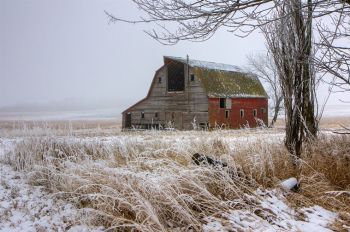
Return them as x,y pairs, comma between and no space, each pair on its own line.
142,114
227,114
176,77
241,112
263,110
156,115
254,112
192,77
128,120
222,103
228,103
159,80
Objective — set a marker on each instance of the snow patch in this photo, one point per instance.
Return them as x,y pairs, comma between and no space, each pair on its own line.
30,208
289,183
272,214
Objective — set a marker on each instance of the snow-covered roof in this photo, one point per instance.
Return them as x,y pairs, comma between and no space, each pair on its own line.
206,64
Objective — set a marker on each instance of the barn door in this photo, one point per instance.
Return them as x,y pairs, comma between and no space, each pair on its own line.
174,119
178,120
169,119
128,120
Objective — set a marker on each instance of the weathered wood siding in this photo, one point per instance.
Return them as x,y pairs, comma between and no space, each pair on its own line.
179,107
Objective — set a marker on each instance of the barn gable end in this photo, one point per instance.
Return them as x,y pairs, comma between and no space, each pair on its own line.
162,106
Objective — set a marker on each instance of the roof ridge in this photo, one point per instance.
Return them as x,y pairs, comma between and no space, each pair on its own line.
207,64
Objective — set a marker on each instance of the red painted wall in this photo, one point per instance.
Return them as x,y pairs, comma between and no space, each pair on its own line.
234,120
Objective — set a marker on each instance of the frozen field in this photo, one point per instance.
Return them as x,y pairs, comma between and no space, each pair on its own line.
56,180
100,114
337,111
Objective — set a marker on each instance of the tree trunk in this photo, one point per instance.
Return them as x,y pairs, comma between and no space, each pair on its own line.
308,80
290,41
276,109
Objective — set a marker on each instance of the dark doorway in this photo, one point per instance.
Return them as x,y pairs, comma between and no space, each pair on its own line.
128,120
176,77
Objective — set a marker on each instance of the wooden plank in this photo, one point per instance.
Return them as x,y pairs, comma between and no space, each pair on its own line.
193,102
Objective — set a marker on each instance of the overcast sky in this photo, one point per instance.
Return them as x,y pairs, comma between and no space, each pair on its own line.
65,51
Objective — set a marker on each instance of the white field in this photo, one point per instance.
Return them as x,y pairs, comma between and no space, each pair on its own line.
98,114
148,174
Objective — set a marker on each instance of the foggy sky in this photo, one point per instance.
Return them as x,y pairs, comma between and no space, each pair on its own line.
65,51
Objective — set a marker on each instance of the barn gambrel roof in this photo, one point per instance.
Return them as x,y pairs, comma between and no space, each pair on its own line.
223,80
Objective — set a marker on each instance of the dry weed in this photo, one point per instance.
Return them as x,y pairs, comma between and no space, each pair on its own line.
147,182
147,186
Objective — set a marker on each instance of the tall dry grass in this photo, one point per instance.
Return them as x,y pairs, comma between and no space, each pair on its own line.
325,175
144,186
148,182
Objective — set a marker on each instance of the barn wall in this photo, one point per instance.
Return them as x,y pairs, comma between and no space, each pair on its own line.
180,108
217,115
123,120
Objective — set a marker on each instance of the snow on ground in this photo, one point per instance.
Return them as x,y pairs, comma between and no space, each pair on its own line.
273,214
6,145
30,208
184,140
98,114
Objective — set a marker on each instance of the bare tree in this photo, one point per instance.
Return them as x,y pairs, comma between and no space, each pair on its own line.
264,67
334,49
198,20
289,40
334,59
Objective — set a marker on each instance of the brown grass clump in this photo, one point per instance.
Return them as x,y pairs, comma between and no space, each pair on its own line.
329,155
325,174
324,171
266,163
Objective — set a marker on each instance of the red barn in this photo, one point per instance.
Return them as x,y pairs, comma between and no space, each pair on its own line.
187,94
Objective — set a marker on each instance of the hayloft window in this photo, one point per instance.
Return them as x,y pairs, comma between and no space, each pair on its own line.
255,112
241,113
142,114
159,80
192,77
222,103
227,114
156,115
176,77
